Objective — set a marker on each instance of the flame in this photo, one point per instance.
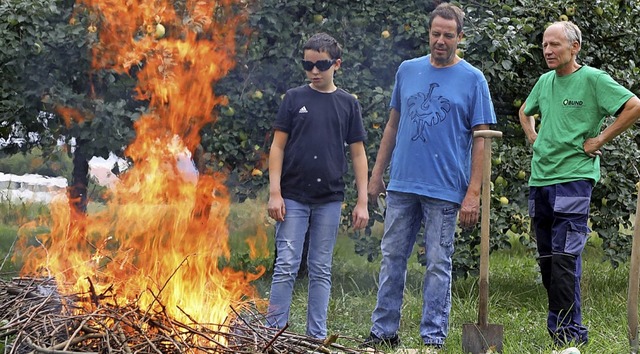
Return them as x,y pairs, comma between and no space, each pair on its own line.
160,237
70,114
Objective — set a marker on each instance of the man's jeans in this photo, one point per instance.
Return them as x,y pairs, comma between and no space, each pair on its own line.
404,216
323,221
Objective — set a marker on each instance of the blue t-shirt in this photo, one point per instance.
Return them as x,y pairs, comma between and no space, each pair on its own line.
438,109
320,127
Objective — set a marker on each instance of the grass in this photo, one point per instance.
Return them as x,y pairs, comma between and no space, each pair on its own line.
7,244
517,297
517,301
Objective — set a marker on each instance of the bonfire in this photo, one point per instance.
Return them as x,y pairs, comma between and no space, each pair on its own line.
142,275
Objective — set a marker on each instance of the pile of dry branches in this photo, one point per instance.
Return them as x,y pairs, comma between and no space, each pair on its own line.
36,318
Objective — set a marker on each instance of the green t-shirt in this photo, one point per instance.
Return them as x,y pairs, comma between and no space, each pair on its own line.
572,109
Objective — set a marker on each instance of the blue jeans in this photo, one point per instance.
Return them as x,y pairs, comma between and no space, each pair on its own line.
559,216
323,221
404,217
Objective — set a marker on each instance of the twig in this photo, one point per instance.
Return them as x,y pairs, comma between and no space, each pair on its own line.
275,337
123,338
42,324
74,334
64,346
166,282
50,351
245,322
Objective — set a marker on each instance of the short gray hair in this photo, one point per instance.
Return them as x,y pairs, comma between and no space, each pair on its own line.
571,31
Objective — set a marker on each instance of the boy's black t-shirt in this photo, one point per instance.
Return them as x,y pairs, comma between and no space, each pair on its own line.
320,128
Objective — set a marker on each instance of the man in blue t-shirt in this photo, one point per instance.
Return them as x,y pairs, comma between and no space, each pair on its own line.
436,173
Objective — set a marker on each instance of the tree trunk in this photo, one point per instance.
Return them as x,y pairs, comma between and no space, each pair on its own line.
77,191
204,193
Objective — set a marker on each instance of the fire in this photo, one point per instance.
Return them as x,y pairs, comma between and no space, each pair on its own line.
159,239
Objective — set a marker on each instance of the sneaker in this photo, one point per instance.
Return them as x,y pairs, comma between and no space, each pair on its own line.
428,349
572,350
375,342
432,348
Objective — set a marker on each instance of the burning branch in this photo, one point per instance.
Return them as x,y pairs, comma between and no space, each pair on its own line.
34,317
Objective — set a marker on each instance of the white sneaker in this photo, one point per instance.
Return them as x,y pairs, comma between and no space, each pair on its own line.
417,351
572,350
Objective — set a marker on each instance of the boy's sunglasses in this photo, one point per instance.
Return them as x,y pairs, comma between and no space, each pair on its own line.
322,65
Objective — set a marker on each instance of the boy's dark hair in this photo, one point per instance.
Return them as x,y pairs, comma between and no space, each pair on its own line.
322,42
448,12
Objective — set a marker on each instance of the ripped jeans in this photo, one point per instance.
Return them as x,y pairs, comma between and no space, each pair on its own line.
323,221
559,214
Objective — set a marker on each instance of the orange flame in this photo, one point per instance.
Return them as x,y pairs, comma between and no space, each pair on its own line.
161,236
70,114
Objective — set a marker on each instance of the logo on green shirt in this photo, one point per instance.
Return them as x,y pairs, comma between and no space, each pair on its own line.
568,102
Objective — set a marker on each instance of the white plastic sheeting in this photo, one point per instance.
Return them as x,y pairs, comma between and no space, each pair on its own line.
31,188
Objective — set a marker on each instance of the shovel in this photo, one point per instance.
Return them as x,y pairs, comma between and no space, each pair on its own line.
482,337
634,279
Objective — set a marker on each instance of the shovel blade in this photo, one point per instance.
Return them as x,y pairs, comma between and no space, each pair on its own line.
480,339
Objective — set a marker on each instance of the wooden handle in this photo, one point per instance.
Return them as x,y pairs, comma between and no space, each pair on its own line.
483,286
634,282
487,134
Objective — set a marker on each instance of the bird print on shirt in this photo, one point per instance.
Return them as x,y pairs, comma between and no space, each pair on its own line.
426,110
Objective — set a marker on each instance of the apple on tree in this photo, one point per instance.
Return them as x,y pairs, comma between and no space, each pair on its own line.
160,31
257,95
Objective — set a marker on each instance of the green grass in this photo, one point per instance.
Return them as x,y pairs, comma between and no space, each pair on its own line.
7,246
517,297
517,301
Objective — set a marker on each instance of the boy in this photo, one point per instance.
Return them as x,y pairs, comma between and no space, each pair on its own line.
307,162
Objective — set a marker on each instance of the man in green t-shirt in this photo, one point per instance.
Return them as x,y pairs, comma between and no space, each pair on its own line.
572,102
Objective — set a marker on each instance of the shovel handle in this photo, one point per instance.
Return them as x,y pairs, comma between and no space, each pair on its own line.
487,134
634,280
483,286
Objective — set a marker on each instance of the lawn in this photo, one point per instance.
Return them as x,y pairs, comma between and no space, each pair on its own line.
517,301
517,297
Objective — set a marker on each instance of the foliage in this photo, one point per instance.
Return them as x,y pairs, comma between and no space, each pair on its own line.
20,48
502,38
37,161
511,24
46,67
52,94
44,52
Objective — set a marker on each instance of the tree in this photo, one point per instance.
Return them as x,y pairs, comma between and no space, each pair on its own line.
46,67
49,92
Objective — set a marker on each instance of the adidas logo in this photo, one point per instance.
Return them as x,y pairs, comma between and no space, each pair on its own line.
303,110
